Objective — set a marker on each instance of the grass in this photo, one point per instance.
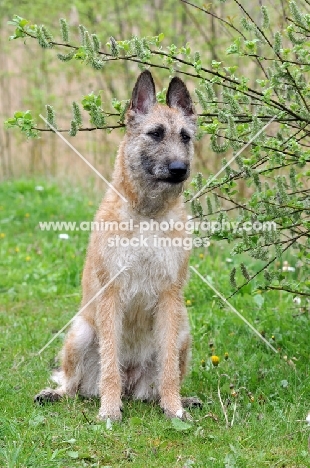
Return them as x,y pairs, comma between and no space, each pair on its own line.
40,291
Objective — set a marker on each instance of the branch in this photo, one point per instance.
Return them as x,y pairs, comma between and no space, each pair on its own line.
249,118
112,127
276,53
264,267
298,25
90,129
215,16
251,92
298,293
260,57
265,147
228,24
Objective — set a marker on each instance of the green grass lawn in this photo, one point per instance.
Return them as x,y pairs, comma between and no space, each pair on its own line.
265,395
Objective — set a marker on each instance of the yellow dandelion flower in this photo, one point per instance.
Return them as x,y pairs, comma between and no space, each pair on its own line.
16,249
188,302
27,215
215,360
201,256
2,235
28,258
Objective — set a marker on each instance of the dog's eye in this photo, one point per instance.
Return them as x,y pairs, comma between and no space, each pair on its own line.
157,134
185,137
154,134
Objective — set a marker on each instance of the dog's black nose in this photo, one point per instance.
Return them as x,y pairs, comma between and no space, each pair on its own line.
178,169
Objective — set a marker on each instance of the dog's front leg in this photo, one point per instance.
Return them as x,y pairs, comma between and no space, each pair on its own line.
108,320
168,324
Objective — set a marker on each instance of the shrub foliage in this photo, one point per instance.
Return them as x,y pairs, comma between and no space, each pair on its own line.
260,129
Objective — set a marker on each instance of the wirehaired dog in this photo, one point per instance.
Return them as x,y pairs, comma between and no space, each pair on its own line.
134,340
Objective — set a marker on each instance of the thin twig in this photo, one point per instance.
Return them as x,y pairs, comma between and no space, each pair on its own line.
86,418
216,17
89,129
278,288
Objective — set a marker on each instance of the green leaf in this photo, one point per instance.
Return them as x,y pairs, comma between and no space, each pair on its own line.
19,33
10,122
161,37
23,23
180,425
19,115
216,64
37,420
251,45
27,115
72,454
259,300
70,441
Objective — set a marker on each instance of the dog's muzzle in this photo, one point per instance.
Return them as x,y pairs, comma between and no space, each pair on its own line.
173,172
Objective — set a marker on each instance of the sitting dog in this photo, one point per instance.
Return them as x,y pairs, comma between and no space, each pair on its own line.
133,338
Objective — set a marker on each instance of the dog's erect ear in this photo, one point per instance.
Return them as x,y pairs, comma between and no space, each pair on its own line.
143,95
179,97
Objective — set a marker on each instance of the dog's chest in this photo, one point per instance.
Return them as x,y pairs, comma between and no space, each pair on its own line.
152,256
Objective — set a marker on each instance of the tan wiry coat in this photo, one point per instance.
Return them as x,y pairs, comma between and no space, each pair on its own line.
134,339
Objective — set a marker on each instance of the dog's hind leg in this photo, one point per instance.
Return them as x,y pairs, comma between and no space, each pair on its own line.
72,372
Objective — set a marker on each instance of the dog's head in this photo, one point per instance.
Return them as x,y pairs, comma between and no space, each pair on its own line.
160,139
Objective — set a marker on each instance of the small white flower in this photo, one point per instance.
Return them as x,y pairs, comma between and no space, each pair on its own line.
297,300
179,413
287,267
63,236
308,418
228,260
39,188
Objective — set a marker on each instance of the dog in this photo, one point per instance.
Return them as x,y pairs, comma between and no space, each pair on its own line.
133,340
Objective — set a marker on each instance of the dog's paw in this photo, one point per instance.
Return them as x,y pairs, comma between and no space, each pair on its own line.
47,395
181,414
191,402
115,415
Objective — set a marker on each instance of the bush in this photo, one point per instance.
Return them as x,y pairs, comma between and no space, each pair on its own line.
263,121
